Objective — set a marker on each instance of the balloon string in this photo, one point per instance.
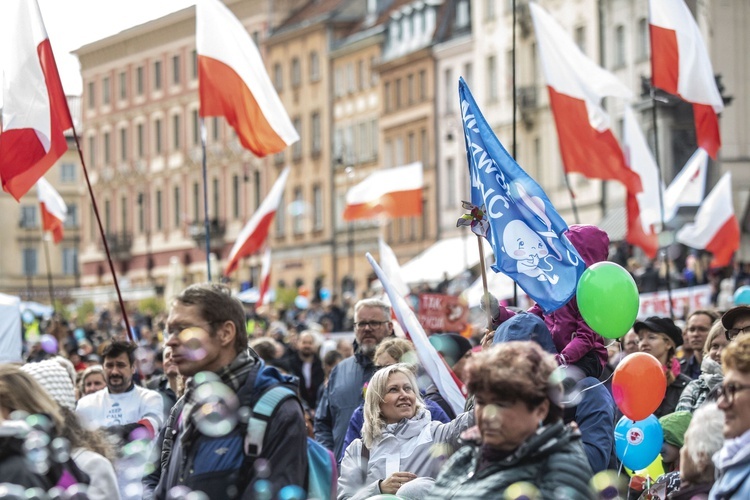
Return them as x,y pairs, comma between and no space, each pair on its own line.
588,389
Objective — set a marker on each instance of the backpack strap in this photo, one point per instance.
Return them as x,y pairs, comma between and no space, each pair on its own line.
261,415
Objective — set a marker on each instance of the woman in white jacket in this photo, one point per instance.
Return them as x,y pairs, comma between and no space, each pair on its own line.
400,445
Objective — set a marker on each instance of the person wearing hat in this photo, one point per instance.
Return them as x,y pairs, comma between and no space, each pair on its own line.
660,337
736,321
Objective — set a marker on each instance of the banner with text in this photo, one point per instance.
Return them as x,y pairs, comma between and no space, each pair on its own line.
442,313
684,300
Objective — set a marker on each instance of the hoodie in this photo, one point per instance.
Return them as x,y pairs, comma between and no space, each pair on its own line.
573,338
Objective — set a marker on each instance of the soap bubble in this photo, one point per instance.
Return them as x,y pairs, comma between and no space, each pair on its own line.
216,408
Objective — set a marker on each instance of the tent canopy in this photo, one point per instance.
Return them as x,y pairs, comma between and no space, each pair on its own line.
446,258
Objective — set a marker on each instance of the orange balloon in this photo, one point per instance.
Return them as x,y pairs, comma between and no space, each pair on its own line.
304,291
639,385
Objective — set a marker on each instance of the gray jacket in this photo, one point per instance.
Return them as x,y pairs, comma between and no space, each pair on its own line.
553,460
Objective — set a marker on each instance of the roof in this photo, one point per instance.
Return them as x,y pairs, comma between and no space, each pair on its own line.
314,11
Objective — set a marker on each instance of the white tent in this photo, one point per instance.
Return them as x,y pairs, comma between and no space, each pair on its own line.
499,285
446,258
10,329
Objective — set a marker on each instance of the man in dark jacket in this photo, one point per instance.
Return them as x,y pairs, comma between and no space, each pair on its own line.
206,331
343,394
306,365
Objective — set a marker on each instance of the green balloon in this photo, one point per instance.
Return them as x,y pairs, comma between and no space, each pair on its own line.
608,299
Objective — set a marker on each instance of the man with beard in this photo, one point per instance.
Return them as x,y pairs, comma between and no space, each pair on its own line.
308,367
122,407
343,394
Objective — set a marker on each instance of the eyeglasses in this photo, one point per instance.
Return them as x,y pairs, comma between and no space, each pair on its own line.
732,333
361,325
730,390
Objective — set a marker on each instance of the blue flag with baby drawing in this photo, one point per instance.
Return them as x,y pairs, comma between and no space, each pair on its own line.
525,231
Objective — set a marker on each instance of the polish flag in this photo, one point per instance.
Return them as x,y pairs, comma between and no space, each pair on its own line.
54,210
389,264
35,113
576,87
644,211
681,66
255,232
395,192
233,83
688,187
449,386
265,277
715,228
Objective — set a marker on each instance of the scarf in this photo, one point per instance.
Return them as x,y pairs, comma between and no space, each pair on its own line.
732,447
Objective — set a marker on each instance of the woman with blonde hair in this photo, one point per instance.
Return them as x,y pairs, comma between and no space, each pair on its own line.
92,380
698,391
401,449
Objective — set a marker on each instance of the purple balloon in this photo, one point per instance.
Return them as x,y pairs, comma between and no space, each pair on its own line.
48,343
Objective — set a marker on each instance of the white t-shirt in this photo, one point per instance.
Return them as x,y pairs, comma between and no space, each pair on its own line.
102,409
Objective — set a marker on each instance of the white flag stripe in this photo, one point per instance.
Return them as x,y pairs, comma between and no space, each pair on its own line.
716,209
53,202
688,187
406,178
389,264
641,161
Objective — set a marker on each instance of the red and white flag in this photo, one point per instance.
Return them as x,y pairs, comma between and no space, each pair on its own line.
681,66
644,211
265,277
391,267
255,232
449,386
233,82
576,87
53,208
688,187
394,192
715,228
35,113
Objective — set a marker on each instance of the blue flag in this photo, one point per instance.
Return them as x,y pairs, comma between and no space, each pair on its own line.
525,231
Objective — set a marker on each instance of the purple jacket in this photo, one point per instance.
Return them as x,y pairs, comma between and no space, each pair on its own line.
573,338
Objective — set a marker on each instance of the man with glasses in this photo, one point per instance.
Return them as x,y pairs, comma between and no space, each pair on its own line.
696,331
736,321
343,394
207,444
733,461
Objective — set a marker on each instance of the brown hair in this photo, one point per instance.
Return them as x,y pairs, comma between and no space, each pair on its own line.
515,371
217,306
706,312
21,391
736,355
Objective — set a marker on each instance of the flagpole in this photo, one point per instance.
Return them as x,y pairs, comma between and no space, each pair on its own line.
206,224
661,195
513,148
49,270
572,194
482,265
101,232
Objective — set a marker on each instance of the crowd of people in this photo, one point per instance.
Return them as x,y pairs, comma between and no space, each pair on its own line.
221,405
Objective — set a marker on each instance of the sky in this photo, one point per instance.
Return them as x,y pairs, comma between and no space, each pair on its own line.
73,23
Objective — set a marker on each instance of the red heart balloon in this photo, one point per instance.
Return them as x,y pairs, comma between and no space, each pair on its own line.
639,385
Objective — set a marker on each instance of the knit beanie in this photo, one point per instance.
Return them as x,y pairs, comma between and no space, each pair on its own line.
674,426
55,380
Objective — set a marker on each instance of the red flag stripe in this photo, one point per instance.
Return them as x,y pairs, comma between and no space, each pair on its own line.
725,242
394,204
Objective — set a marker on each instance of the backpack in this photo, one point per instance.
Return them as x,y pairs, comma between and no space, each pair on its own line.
322,472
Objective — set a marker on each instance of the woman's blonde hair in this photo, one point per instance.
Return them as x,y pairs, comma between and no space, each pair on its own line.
395,347
374,423
716,329
91,370
19,391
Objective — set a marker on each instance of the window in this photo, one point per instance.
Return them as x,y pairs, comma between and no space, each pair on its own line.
374,77
462,14
216,194
491,79
196,202
425,159
92,151
643,41
159,214
361,78
157,136
123,214
317,207
422,85
157,75
193,64
316,140
450,175
489,10
468,73
410,89
106,148
196,122
397,84
387,95
450,95
216,127
107,216
176,70
29,262
141,212
411,148
296,73
256,183
91,95
351,85
176,132
278,77
580,38
105,90
123,86
314,67
297,146
70,261
619,46
236,196
123,144
177,207
139,80
298,217
68,172
28,217
139,139
280,219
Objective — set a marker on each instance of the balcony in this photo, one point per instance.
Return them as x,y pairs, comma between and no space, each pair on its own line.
216,228
527,103
120,244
